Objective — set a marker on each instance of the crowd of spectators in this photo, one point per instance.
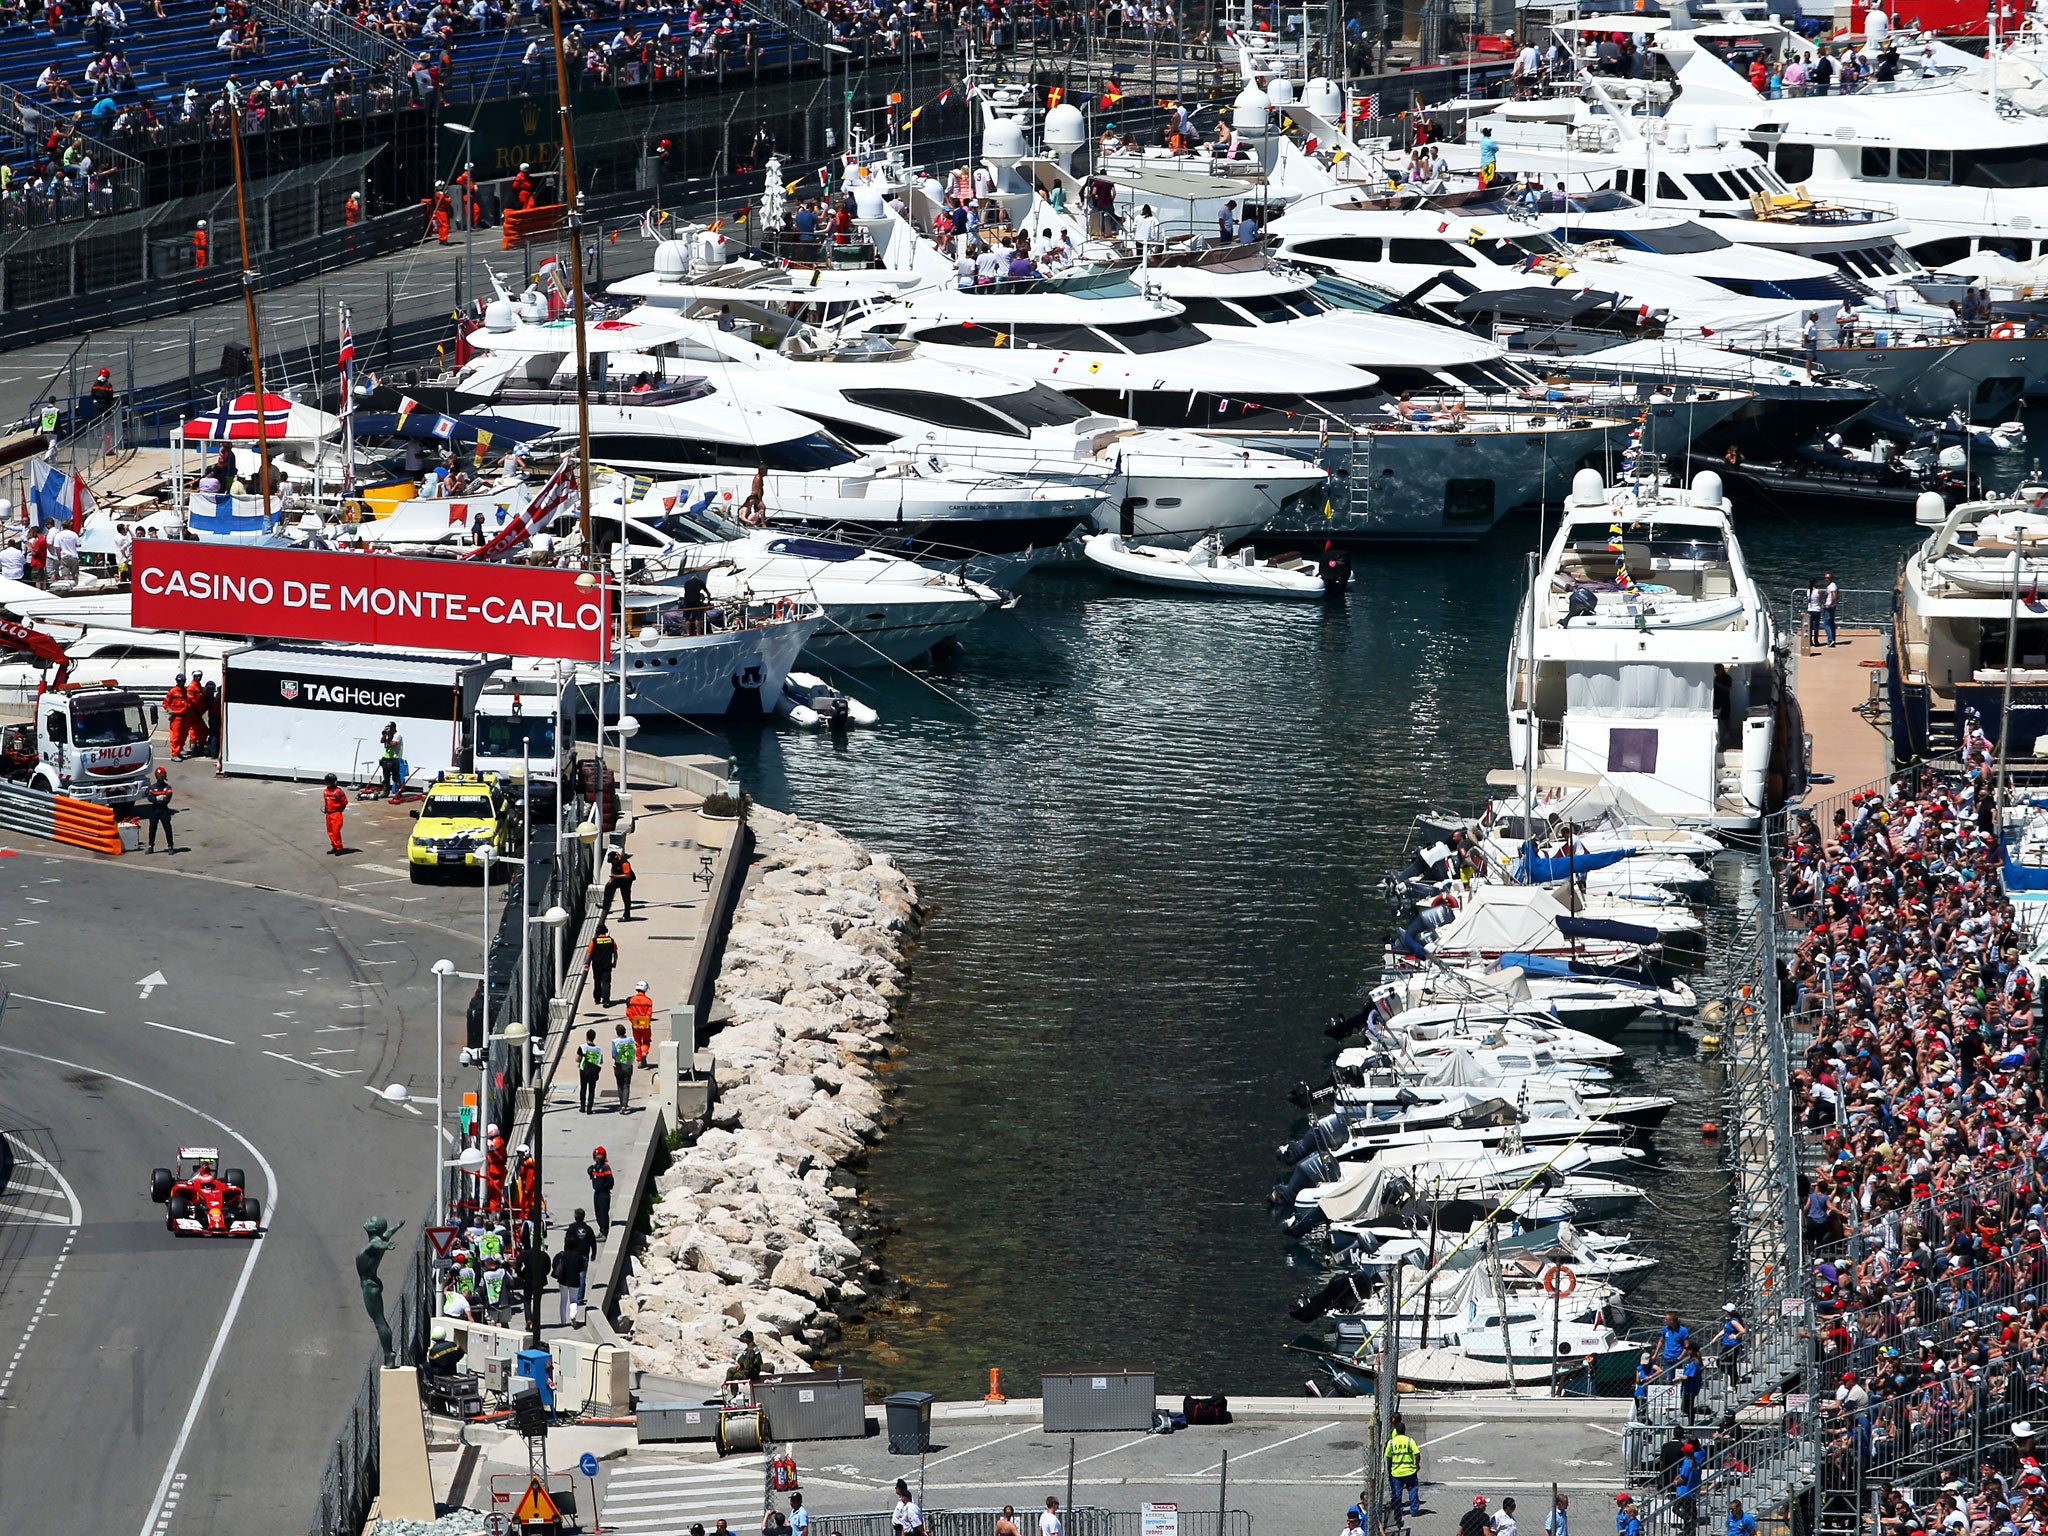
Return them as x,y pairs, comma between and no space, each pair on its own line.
1920,1090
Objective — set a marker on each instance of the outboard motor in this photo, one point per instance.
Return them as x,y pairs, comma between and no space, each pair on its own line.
1335,569
1301,1222
1324,1135
1342,1294
1345,1028
1316,1168
1583,603
1303,1097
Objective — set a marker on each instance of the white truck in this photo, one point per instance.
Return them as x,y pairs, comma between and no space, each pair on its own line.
89,741
527,716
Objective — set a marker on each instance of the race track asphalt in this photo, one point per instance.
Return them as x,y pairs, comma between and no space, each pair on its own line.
173,1387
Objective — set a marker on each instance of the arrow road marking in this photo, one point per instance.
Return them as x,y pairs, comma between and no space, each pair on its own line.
309,1066
150,983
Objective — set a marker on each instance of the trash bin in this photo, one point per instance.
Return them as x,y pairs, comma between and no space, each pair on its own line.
910,1422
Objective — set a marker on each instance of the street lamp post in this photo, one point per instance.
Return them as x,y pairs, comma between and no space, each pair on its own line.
486,855
443,969
557,918
469,202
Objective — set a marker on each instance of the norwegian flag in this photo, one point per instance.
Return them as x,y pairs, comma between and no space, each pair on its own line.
539,512
346,359
239,420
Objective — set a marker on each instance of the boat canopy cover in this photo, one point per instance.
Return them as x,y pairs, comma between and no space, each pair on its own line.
432,426
1534,868
1504,917
1605,928
2024,877
1579,970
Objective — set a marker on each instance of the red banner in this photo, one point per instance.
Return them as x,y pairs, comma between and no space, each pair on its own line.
434,605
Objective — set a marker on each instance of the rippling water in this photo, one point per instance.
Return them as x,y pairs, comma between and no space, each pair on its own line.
1151,830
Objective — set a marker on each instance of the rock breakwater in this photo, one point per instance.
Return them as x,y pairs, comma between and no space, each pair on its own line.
749,1228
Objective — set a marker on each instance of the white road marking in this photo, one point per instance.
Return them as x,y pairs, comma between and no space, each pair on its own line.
23,997
1452,1435
52,1217
171,1478
381,869
1097,1456
1274,1445
197,1034
41,901
970,1450
150,983
43,1165
325,1072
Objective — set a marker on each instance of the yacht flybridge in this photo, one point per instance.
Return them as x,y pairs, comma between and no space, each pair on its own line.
1644,652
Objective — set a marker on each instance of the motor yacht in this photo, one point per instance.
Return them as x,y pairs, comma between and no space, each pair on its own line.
1969,609
888,394
648,413
1644,652
685,659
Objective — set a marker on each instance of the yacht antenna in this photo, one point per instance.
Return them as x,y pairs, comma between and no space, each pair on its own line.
573,200
1529,734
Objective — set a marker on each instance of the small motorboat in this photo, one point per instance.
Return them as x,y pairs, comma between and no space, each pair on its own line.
1206,568
810,701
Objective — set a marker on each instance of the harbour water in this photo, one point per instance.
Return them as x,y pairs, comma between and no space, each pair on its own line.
1152,829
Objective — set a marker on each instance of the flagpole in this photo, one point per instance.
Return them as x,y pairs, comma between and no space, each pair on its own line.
249,297
573,201
348,409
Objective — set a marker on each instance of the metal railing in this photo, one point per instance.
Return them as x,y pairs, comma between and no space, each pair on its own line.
358,44
1087,1520
19,115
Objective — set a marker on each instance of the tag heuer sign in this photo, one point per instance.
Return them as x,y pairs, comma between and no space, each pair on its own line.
289,687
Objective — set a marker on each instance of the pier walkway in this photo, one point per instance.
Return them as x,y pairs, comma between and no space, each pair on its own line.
1841,694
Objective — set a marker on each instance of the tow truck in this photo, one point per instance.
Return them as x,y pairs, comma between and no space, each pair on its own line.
88,740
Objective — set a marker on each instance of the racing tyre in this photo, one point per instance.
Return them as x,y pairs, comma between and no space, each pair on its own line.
252,1210
234,1176
160,1182
180,1207
416,875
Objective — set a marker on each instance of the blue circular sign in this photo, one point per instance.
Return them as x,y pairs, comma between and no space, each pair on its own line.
588,1465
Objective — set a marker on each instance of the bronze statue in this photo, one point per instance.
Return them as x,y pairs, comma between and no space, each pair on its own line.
368,1257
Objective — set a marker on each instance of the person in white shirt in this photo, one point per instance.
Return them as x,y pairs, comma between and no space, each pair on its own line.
1049,1522
906,1518
1504,1519
1147,231
64,552
990,267
13,562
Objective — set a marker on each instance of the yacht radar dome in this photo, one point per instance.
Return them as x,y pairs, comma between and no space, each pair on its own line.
671,261
1065,128
1588,489
501,315
1323,97
1281,92
1706,490
1929,510
1248,114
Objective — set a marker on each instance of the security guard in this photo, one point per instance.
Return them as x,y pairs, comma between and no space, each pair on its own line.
49,418
604,954
601,1181
622,1065
334,802
621,882
589,1068
156,808
1404,1468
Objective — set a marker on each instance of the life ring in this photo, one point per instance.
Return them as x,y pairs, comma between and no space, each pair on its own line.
1559,1281
2003,331
785,608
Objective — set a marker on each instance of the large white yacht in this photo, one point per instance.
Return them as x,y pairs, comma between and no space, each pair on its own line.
1962,173
1959,593
1644,652
688,428
887,394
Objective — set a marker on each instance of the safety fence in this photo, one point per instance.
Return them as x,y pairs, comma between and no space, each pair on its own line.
349,1482
1087,1520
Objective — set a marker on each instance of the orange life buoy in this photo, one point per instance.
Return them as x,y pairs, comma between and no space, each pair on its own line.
785,608
2003,331
1559,1280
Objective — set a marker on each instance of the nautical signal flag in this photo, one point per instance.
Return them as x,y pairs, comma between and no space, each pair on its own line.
1112,94
1053,95
406,406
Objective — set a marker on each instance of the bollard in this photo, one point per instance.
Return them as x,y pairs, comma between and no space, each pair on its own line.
995,1386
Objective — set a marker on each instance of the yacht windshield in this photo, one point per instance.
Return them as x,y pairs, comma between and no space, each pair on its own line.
1684,239
1039,406
1274,308
806,454
1342,293
1164,333
698,524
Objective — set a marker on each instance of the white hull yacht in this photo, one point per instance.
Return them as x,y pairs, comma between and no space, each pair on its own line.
1684,715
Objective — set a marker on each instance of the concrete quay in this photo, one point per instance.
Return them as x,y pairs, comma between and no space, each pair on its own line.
1290,1464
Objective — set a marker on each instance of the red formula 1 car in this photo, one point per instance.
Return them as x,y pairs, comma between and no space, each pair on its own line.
200,1202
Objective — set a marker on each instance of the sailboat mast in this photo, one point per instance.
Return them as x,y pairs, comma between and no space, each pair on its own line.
234,96
573,201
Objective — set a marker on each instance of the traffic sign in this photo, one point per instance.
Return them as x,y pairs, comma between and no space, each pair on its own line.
443,1240
536,1508
588,1465
496,1525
